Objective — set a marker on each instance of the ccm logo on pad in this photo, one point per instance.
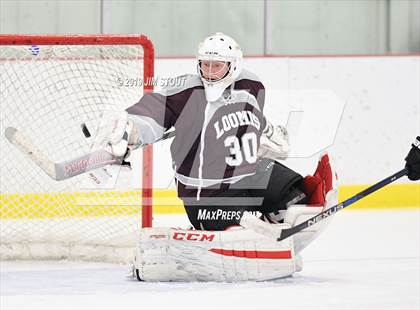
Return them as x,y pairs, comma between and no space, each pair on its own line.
192,236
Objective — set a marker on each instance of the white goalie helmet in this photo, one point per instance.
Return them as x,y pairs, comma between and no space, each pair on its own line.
219,47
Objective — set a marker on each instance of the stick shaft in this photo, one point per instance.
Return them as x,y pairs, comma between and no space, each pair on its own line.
85,163
327,213
60,170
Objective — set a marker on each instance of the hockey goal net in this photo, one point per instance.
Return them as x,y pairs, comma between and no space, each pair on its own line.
50,85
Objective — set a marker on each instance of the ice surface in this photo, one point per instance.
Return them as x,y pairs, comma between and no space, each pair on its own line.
363,260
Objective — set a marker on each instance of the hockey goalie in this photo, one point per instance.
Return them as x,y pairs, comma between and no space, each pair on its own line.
226,161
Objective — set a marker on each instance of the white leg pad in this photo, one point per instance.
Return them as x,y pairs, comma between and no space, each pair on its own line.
297,214
165,254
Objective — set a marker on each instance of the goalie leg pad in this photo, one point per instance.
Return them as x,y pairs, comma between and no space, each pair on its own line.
165,254
297,214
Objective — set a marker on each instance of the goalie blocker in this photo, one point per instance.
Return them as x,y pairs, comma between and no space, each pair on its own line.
241,253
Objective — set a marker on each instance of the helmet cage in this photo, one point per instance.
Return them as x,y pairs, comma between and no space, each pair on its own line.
219,47
211,80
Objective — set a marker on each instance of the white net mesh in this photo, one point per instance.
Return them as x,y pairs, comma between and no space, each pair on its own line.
47,92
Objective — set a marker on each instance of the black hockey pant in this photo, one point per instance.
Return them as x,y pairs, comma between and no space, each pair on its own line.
271,189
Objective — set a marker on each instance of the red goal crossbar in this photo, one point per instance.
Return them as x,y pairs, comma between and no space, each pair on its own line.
148,73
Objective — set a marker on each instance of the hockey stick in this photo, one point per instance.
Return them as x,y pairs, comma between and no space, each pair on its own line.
63,170
251,222
327,213
60,170
101,176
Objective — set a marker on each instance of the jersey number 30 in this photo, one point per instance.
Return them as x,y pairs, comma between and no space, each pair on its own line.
248,151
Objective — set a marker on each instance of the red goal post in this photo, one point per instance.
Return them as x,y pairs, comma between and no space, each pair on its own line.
120,50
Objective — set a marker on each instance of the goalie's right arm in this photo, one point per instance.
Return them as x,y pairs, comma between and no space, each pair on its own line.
274,142
143,123
156,112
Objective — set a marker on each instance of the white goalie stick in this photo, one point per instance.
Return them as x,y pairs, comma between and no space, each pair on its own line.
60,170
69,168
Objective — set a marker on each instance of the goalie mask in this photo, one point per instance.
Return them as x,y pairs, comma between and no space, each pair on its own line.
219,64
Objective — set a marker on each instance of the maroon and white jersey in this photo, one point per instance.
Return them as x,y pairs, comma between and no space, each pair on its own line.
216,142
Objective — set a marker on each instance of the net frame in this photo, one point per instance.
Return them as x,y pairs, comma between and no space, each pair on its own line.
148,74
